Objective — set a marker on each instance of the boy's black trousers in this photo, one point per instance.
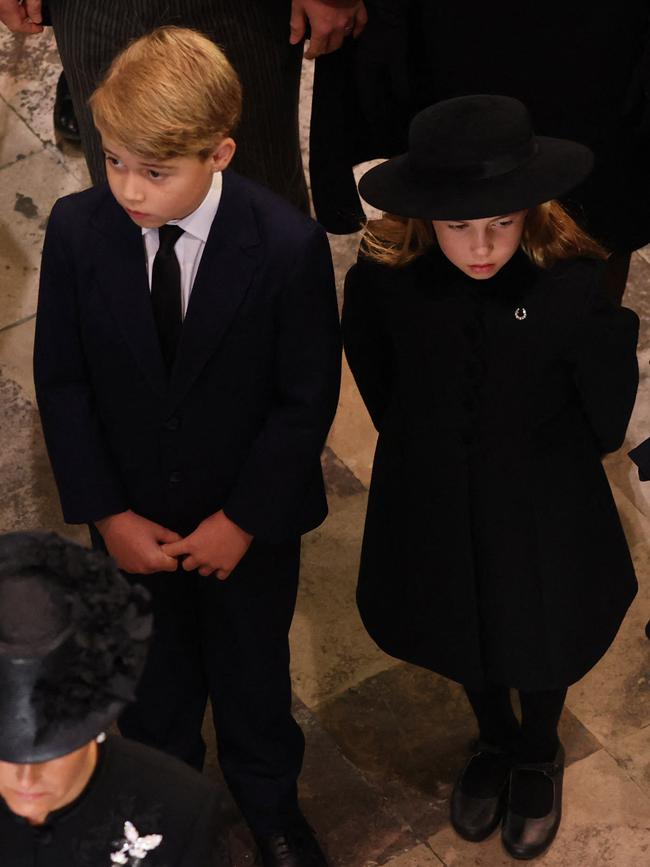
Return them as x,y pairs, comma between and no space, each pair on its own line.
227,641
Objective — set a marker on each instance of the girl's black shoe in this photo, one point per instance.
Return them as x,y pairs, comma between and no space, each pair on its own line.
478,796
527,836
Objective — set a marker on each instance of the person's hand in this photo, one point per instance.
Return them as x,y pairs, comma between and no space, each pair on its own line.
329,24
135,543
217,545
22,17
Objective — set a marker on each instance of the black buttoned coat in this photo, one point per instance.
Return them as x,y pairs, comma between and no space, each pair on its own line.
493,551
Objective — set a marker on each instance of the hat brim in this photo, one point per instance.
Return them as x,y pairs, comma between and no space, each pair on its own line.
20,745
557,167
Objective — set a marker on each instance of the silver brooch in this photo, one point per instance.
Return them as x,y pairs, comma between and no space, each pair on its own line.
133,848
520,313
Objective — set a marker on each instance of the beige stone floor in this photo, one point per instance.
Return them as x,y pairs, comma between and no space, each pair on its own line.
384,739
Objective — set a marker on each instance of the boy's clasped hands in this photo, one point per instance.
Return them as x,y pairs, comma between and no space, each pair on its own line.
141,546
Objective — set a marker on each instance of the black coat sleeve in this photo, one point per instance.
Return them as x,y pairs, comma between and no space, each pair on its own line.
605,368
88,484
368,347
284,460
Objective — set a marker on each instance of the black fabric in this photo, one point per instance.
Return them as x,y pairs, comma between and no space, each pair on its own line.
535,740
242,421
166,300
255,37
155,792
581,69
496,719
492,551
229,641
540,715
240,426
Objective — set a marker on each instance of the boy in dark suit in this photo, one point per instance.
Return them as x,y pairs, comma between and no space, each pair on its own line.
187,369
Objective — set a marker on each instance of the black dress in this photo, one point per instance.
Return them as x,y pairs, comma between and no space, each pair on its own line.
156,793
493,551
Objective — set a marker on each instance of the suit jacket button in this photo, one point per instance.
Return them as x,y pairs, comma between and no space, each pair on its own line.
172,423
174,478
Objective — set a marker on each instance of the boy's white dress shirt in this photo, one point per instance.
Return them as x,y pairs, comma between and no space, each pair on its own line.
189,247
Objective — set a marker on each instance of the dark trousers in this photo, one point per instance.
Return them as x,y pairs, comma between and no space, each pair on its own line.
227,640
255,36
536,740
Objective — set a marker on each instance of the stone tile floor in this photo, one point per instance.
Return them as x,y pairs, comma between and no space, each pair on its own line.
384,739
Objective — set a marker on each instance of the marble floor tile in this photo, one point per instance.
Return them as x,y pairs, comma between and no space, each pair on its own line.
637,296
16,349
606,823
331,650
421,856
28,189
17,141
28,498
633,755
29,70
353,823
353,436
409,731
613,699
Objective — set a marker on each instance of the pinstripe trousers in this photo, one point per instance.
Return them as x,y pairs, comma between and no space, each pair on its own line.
254,35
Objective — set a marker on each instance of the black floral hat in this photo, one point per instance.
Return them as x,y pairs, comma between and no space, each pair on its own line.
73,640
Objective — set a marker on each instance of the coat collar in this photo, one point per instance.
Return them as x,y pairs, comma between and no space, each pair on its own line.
508,285
226,269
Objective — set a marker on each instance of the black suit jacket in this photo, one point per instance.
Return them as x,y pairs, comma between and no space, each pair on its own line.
243,419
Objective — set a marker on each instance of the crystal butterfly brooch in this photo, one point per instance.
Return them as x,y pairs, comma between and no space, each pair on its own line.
133,848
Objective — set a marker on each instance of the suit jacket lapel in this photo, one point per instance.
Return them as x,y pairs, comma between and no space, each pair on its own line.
122,277
227,267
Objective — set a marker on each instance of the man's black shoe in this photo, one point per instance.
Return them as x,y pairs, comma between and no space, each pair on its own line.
65,119
296,847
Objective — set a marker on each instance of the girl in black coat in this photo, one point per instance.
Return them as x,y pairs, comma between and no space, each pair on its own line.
497,374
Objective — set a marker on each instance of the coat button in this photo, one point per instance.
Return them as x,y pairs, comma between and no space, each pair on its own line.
44,835
174,478
172,423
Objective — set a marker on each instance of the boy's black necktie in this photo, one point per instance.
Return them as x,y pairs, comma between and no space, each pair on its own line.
166,293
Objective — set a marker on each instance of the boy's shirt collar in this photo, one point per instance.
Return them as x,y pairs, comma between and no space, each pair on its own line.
199,222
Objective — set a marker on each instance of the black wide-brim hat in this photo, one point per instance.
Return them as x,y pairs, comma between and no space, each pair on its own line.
474,157
73,641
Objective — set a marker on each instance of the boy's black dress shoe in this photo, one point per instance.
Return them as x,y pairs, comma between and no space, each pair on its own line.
478,797
527,837
296,847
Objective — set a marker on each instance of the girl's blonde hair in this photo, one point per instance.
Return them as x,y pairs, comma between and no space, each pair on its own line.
549,235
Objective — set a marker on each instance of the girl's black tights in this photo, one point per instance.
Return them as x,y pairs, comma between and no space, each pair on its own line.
536,739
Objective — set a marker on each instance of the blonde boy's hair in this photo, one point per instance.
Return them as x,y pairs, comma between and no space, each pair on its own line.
549,235
171,93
